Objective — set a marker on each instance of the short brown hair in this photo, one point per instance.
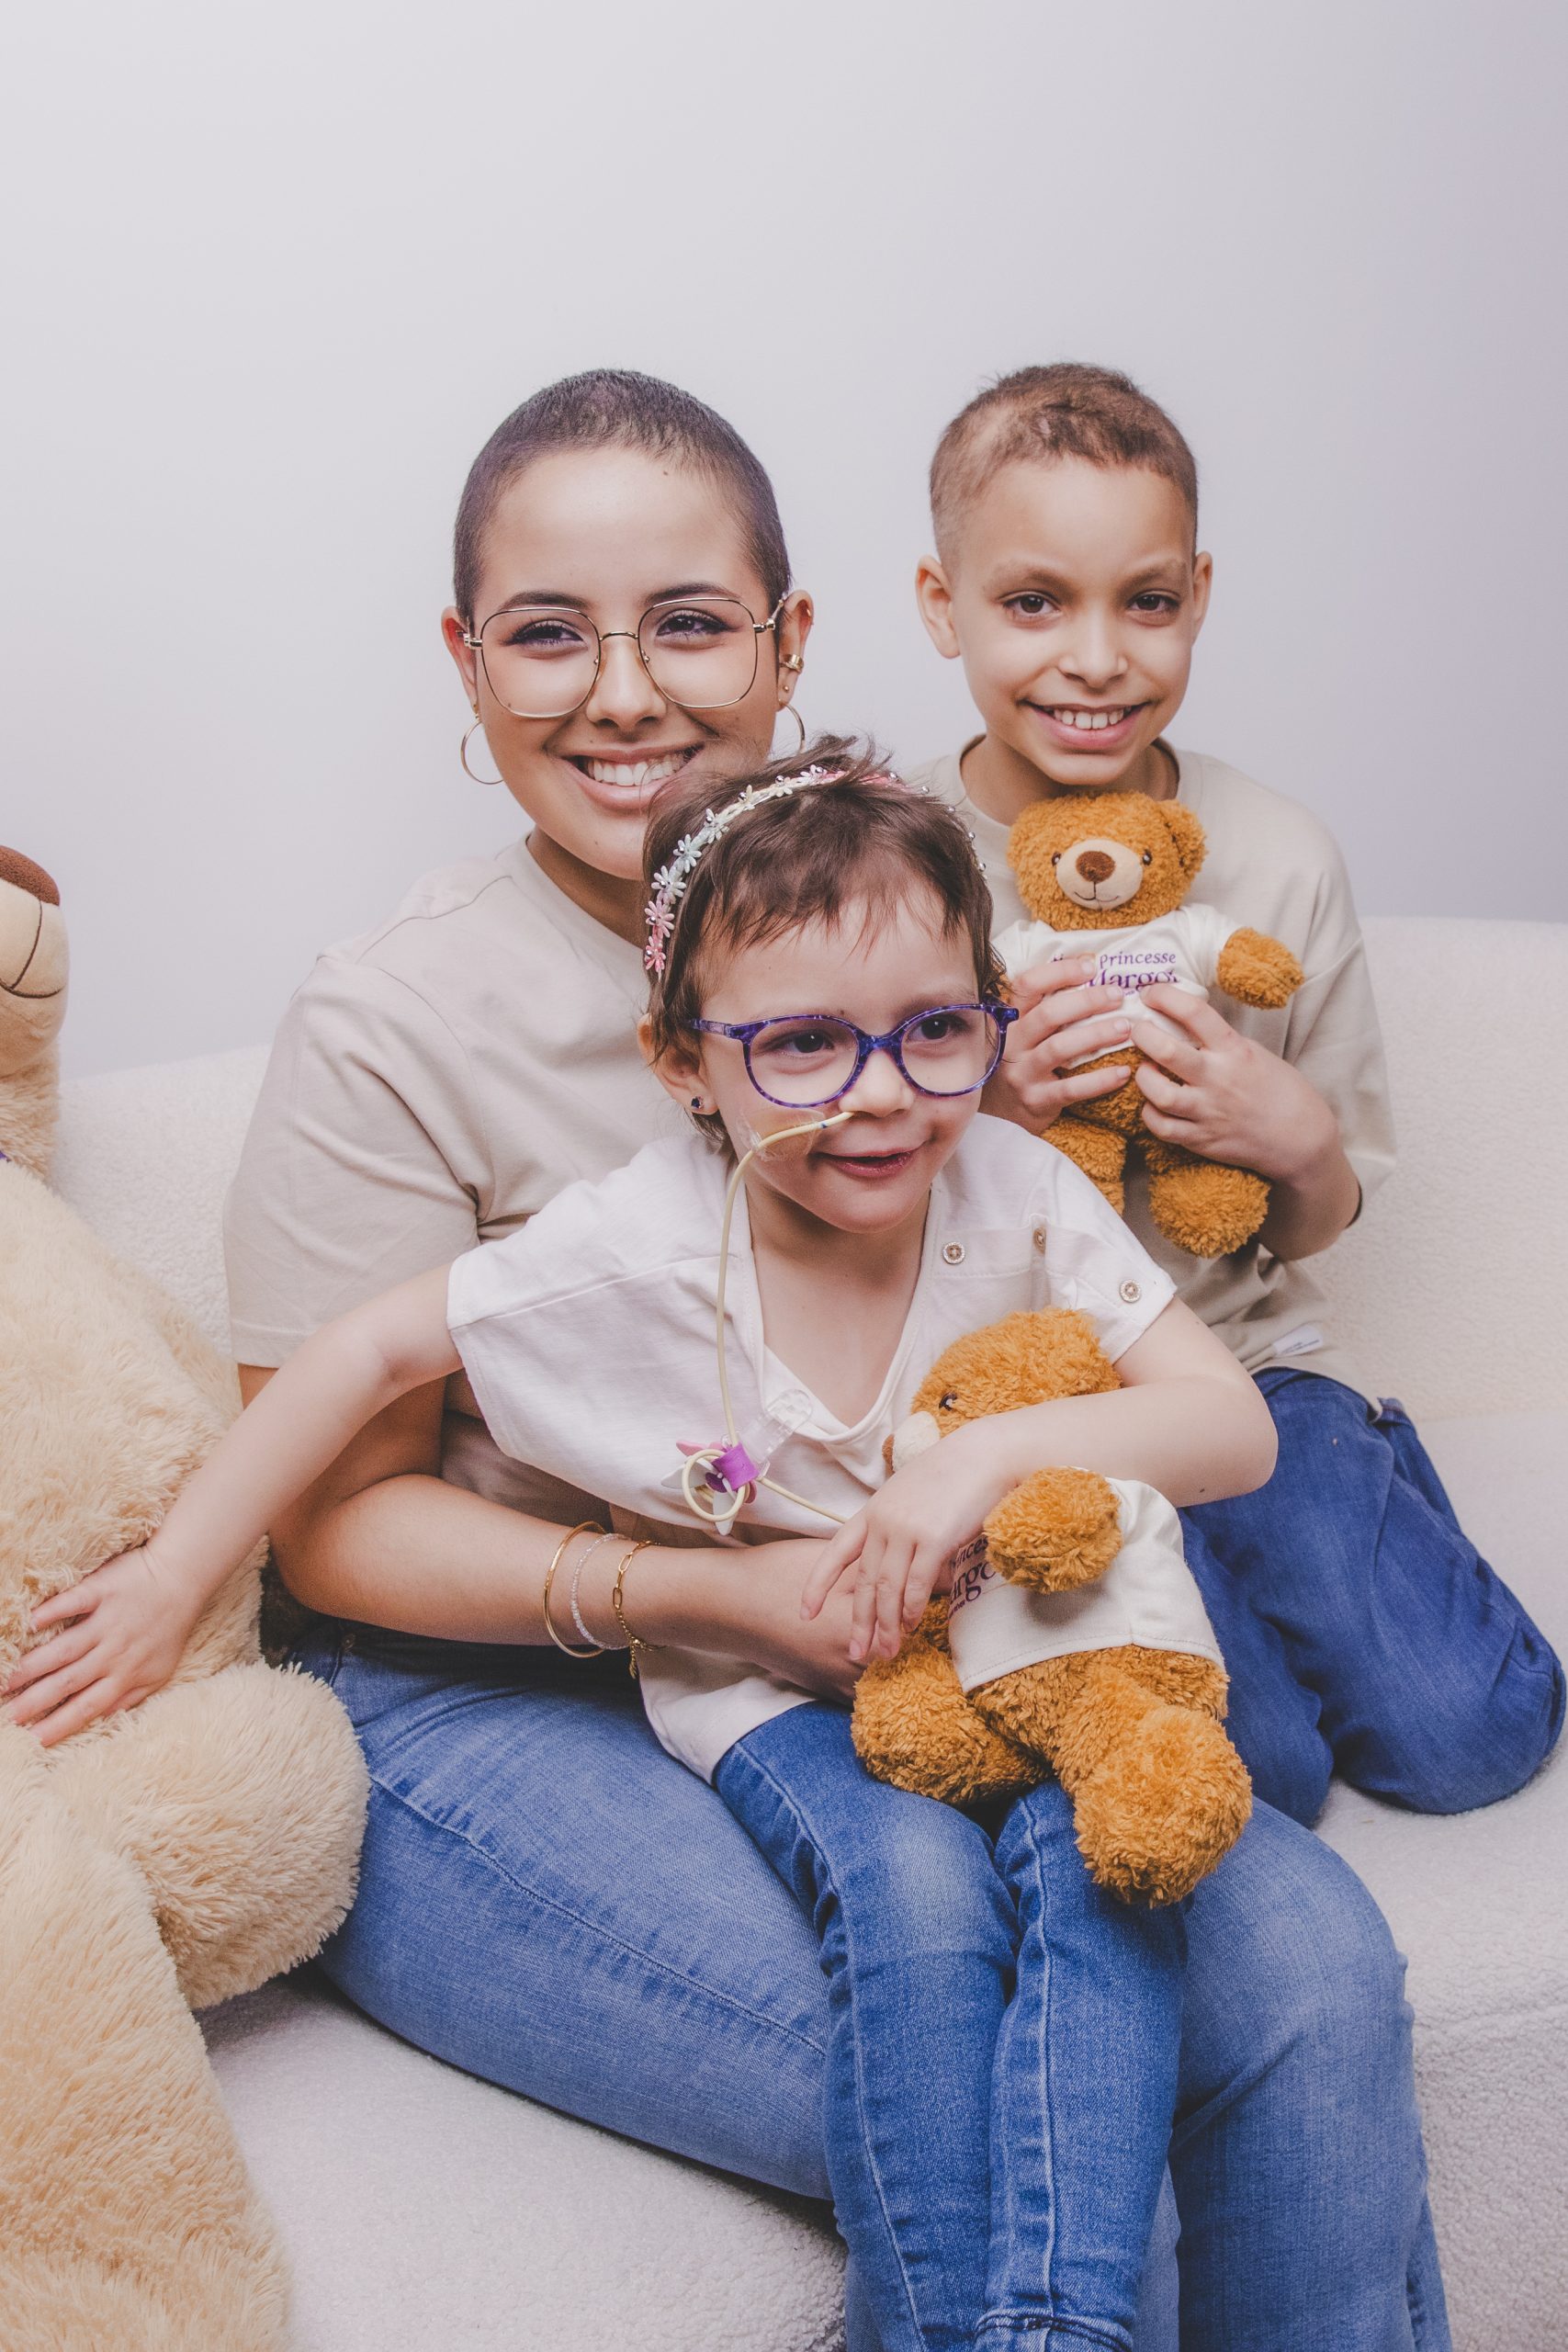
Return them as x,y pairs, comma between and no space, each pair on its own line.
1069,409
616,408
865,838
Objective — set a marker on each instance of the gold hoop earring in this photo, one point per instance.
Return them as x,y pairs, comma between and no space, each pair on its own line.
799,722
463,756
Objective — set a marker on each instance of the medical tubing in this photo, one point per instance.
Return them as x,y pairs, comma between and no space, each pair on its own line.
701,1463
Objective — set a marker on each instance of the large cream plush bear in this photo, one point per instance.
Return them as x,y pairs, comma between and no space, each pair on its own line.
163,1858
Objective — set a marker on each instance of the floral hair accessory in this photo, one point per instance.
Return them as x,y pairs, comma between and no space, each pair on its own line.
670,882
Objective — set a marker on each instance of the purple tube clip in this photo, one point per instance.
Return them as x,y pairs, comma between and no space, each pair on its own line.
733,1470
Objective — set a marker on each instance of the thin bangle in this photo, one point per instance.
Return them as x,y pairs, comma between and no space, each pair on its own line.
582,1559
635,1644
583,1527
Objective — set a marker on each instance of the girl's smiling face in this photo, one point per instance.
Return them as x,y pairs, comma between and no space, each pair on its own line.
871,1174
611,531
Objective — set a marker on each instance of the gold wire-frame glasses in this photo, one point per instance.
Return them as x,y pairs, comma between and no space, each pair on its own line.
543,661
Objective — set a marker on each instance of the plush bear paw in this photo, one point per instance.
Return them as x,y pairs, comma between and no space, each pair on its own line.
1157,1814
914,1727
1058,1529
1207,1209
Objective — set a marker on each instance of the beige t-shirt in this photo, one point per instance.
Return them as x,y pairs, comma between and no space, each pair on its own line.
1272,865
435,1083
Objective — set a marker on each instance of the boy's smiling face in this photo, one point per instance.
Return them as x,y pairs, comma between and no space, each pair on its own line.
1073,597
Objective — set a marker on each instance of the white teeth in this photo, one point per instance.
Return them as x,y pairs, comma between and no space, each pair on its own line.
633,775
1090,722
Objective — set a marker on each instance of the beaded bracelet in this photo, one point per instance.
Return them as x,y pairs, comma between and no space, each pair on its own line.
583,1527
635,1644
583,1560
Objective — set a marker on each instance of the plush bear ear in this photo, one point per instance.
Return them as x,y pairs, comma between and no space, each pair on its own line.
1186,835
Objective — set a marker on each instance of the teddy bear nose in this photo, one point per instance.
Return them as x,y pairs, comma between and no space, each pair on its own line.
1094,864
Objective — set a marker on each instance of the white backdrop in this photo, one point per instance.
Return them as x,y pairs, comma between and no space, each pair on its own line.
278,266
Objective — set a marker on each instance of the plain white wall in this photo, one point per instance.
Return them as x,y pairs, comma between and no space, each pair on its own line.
278,268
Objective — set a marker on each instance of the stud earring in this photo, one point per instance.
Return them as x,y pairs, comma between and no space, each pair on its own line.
698,1105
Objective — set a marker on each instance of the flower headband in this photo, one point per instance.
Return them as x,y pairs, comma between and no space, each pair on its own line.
670,882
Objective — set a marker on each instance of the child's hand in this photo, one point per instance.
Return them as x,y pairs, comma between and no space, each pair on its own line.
897,1551
1227,1098
1060,1017
125,1628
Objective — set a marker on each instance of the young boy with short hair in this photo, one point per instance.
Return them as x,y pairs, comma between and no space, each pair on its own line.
1363,1629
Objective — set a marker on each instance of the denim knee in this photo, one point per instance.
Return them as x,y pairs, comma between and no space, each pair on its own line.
1480,1753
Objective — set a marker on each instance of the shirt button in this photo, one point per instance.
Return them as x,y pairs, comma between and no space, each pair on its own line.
1039,1237
952,1252
1131,1293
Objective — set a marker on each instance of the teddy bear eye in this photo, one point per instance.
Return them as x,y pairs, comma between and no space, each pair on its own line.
1148,857
1055,857
948,1403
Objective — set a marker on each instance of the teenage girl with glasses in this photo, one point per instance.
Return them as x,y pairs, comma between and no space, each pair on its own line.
546,1897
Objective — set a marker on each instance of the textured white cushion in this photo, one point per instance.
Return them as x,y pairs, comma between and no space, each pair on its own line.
426,2209
1452,1289
1479,1906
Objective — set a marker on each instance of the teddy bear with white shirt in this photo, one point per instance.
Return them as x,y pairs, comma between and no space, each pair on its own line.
1118,865
1074,1641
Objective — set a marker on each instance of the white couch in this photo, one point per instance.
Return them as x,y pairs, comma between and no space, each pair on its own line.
425,2210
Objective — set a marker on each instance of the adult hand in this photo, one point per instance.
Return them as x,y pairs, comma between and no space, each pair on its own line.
759,1592
1061,1018
1227,1098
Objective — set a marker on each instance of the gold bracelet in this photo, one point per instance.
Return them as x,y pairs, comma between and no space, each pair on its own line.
635,1644
583,1527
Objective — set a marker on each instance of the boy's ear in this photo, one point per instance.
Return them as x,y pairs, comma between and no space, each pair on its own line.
1186,833
1202,588
679,1069
933,594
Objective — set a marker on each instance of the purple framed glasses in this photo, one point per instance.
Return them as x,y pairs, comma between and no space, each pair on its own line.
803,1061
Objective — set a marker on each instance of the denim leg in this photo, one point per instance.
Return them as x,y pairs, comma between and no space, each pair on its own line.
1436,1688
1274,1720
953,2116
1084,2091
916,1936
548,1900
1297,2156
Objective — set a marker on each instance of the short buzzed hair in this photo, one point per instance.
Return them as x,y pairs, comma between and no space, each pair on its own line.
1069,409
618,408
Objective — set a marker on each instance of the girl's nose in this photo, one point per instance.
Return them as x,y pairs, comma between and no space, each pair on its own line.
622,694
880,1090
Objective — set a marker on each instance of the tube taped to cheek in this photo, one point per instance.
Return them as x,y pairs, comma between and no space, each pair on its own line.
794,1137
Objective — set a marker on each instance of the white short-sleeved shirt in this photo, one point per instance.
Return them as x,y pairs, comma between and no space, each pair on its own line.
588,1337
1178,950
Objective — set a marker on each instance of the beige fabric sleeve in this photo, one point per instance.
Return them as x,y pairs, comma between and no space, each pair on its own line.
1332,1035
365,1162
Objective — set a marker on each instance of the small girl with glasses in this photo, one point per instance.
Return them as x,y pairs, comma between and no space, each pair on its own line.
819,950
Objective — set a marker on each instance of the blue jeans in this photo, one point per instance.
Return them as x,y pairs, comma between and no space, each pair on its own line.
548,1900
1363,1632
1002,2043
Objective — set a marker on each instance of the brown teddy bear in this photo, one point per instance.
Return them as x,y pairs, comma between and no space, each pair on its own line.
158,1860
1074,1641
1119,865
